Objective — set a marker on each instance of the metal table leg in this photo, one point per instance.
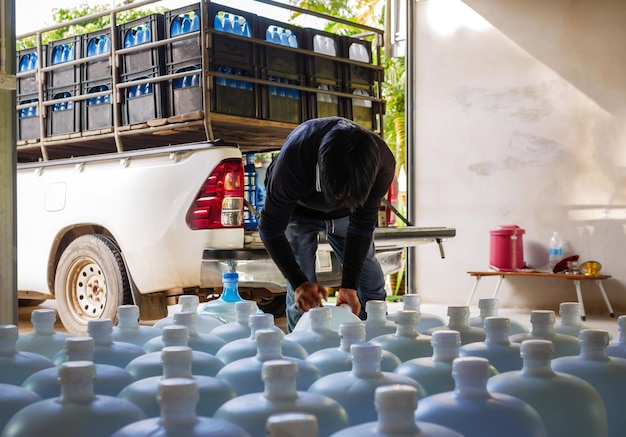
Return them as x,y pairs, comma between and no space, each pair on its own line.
579,295
473,290
495,292
604,296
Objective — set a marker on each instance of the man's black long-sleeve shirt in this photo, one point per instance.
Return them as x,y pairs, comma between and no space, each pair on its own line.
292,186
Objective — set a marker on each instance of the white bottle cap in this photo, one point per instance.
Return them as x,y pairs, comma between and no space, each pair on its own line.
352,330
542,317
411,301
536,349
261,321
366,352
292,425
173,355
185,318
320,313
396,397
594,338
177,390
79,345
247,306
376,307
8,333
621,323
175,334
569,309
490,303
407,317
279,370
446,337
43,317
99,326
458,312
268,337
189,302
77,372
470,368
497,324
128,312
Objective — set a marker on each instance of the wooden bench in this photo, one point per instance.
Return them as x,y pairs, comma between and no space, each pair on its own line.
575,278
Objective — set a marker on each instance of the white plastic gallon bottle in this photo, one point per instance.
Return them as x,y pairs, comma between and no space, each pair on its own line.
338,314
406,343
355,389
570,322
12,399
128,328
474,411
569,406
177,399
240,328
106,351
150,364
618,348
43,340
110,380
292,425
197,341
244,375
377,323
320,335
555,253
413,302
606,374
542,322
333,360
204,323
177,364
501,353
280,395
434,373
246,347
488,307
395,405
77,412
17,366
458,320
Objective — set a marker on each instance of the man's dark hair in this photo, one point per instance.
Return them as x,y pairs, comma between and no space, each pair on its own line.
348,163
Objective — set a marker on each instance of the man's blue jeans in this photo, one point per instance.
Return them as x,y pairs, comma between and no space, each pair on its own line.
302,233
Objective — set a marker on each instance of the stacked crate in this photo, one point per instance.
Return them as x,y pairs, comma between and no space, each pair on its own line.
324,73
98,110
27,93
142,102
62,82
281,64
359,79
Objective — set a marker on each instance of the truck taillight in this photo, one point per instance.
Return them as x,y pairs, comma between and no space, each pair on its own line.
392,197
219,203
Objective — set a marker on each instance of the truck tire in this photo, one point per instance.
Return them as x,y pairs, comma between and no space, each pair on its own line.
91,281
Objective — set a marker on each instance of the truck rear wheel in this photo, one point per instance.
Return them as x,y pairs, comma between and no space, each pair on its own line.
90,282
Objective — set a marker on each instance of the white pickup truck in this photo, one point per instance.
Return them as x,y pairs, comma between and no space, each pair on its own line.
140,211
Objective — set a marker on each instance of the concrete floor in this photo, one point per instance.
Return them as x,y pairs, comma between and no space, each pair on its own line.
522,316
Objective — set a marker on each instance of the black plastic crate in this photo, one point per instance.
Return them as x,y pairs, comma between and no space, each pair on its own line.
142,31
185,95
322,69
322,104
27,118
362,73
278,58
143,102
60,52
187,52
93,44
362,111
284,104
63,117
97,111
228,24
234,95
27,62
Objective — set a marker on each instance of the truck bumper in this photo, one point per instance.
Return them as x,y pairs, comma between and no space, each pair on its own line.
257,270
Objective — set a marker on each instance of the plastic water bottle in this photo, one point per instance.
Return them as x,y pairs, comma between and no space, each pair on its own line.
556,250
186,25
249,218
618,348
223,308
227,25
497,348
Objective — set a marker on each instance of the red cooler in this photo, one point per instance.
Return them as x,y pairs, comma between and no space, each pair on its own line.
506,248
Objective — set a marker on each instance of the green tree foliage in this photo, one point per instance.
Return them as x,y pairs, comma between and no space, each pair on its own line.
62,15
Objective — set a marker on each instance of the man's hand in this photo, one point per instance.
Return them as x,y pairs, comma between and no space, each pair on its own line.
310,295
349,296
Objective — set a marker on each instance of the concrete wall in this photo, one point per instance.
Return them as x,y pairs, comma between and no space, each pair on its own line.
521,119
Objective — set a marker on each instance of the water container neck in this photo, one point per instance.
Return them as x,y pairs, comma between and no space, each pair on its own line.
471,388
179,369
457,322
488,312
594,353
445,353
537,367
79,392
497,337
7,347
543,330
101,338
281,389
43,328
320,325
348,340
127,323
79,355
230,292
397,422
178,414
366,368
267,352
404,329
